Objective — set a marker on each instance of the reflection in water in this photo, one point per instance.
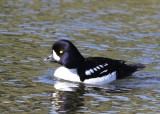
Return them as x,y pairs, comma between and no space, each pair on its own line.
112,97
68,101
72,97
65,86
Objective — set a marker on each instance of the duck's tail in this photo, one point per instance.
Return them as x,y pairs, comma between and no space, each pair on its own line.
128,69
136,66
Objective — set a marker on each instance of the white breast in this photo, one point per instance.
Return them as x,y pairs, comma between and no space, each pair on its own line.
67,74
71,75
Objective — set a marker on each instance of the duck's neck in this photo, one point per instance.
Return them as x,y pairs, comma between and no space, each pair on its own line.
73,60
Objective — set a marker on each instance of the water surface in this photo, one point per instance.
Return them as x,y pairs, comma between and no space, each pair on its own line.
116,29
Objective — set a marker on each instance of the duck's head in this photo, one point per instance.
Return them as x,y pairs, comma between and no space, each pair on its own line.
66,54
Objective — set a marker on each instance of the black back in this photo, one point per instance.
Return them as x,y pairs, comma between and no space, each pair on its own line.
109,66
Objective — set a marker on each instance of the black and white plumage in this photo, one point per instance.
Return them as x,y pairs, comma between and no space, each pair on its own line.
93,70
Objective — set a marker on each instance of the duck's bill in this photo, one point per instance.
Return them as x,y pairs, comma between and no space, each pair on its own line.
50,59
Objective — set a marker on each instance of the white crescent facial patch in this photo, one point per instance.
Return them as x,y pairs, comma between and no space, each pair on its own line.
55,56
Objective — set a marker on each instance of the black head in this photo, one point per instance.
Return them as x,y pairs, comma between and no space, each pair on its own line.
66,54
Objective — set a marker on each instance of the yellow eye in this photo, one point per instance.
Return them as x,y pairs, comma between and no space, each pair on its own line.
60,51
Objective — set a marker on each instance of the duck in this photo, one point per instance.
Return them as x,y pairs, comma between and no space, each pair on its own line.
90,70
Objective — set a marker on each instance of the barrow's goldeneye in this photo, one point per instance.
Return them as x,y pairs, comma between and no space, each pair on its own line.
92,70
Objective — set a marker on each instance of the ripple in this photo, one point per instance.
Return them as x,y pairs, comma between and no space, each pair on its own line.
98,97
2,70
145,97
122,98
26,39
10,33
45,79
24,61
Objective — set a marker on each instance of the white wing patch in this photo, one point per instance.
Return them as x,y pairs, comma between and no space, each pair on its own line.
101,66
103,71
95,69
105,64
88,72
92,70
98,67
